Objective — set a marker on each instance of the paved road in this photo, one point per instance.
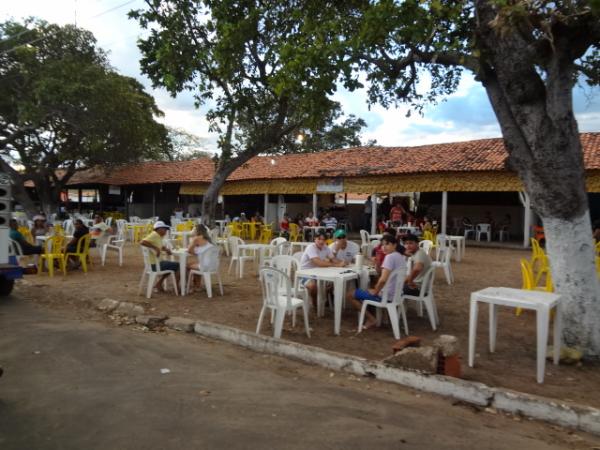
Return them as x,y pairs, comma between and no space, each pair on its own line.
84,384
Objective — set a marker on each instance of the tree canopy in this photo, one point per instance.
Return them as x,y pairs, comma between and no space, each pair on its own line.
251,63
63,107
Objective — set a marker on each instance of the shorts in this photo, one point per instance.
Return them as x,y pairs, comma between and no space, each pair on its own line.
361,295
167,265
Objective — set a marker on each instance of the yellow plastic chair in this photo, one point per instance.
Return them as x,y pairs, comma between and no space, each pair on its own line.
235,229
598,266
58,229
52,252
266,234
82,252
294,232
26,232
598,248
529,281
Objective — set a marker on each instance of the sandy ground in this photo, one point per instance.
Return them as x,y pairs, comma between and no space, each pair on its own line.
511,366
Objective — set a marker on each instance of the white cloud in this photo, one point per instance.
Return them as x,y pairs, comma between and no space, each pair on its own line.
466,115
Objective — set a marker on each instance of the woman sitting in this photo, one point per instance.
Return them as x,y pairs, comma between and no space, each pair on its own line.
200,247
40,227
394,259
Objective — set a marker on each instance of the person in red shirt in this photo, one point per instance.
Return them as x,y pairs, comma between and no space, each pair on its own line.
284,226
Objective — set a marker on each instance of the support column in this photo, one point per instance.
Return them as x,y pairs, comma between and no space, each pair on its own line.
266,209
525,201
315,204
444,211
373,213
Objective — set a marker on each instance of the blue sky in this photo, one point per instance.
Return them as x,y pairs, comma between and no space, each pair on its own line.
464,115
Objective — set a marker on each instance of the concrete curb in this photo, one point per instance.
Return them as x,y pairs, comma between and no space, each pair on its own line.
580,417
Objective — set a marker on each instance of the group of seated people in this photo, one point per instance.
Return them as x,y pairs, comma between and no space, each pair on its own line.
198,247
390,255
41,227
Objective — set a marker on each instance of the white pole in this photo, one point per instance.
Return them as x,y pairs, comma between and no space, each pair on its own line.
444,211
525,201
315,204
373,213
266,209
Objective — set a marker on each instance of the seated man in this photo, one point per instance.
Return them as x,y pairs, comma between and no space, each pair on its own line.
18,237
80,231
309,221
420,261
393,260
99,230
317,254
342,248
329,221
154,241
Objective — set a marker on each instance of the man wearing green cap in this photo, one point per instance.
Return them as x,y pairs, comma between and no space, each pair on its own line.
342,248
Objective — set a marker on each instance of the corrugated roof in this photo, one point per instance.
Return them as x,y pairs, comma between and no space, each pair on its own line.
478,155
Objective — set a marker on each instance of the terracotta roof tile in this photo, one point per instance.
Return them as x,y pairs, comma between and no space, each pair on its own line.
478,155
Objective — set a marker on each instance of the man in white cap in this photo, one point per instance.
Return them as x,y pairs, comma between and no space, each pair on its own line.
154,241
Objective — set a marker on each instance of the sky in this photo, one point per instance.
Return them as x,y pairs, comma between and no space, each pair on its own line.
465,115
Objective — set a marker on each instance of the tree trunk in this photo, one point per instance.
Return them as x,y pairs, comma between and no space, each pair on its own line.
48,195
209,200
542,139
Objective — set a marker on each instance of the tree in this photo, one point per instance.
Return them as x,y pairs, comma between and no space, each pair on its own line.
187,146
62,109
528,55
335,135
250,63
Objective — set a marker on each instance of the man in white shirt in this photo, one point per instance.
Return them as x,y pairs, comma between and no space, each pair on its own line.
342,248
317,255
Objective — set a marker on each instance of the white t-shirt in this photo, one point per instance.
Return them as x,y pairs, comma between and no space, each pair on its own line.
392,262
204,257
311,221
345,254
312,251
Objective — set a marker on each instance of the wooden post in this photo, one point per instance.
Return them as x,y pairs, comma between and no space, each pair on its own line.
526,218
266,209
314,204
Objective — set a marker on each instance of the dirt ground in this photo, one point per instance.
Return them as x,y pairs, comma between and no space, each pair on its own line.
512,366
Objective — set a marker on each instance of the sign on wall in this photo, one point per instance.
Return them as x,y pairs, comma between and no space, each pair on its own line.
330,185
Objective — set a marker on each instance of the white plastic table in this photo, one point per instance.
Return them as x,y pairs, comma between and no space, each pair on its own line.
460,246
182,255
540,302
339,276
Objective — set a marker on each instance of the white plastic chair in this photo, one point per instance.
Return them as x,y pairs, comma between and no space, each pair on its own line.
224,240
426,245
278,240
113,244
108,221
392,305
372,246
68,227
443,261
364,242
426,298
238,255
482,228
277,296
503,234
210,266
153,274
298,256
468,229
